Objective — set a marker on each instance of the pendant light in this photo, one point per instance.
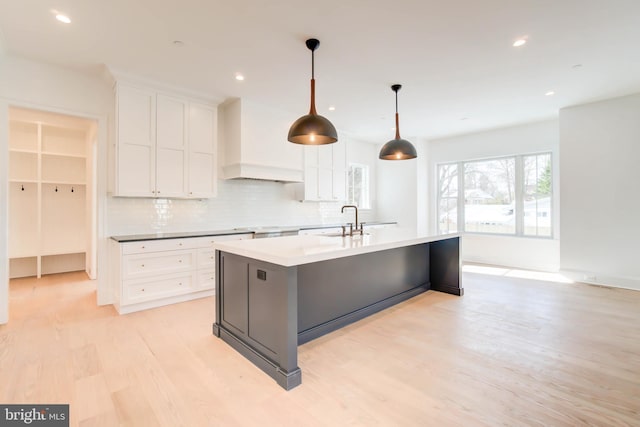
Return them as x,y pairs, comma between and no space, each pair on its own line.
398,148
312,129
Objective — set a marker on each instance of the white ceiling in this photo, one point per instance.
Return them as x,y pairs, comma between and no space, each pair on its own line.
454,58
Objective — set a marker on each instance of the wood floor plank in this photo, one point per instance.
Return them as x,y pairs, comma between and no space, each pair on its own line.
511,352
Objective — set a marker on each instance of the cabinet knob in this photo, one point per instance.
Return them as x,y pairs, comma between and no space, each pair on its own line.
142,265
212,257
179,260
180,284
143,247
179,244
142,289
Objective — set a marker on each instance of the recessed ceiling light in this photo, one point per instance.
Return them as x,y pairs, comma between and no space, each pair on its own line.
550,93
332,108
519,42
239,77
178,43
577,66
63,18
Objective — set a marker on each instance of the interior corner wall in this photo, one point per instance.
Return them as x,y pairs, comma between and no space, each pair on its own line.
600,205
519,252
359,151
398,190
422,186
4,211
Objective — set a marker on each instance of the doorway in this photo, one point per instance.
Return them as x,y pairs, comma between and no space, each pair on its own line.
52,193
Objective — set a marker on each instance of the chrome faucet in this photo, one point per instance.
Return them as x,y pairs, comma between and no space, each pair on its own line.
351,228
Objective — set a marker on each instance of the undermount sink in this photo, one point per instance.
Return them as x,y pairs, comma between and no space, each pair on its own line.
339,234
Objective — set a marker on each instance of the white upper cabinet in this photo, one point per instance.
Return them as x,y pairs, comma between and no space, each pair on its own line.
202,177
165,145
324,173
171,142
136,142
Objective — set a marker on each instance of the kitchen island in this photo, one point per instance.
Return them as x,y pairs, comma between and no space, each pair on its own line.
274,294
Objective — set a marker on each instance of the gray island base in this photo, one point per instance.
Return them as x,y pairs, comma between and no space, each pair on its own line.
264,310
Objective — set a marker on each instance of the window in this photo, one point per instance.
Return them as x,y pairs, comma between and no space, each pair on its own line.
489,194
537,195
448,200
507,195
358,185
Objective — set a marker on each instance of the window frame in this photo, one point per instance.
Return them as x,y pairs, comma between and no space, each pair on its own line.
518,197
366,173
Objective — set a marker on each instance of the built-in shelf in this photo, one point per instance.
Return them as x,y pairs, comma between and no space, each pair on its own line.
64,182
20,150
48,170
51,153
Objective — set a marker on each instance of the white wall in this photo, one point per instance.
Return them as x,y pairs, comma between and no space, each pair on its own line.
600,205
365,153
398,189
4,212
539,254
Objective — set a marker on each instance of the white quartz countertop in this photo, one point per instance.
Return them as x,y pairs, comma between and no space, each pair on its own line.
289,251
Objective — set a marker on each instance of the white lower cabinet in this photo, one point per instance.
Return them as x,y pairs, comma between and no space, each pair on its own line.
152,273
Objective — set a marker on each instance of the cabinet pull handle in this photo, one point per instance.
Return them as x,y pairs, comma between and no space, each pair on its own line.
179,260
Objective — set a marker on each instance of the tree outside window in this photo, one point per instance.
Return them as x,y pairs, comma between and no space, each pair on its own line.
507,195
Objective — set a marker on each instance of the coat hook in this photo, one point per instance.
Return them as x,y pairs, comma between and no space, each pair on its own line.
22,187
72,189
56,188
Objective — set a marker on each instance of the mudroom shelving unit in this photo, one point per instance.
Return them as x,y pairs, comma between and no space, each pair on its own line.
49,167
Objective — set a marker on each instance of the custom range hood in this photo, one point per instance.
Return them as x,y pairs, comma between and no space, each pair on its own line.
253,143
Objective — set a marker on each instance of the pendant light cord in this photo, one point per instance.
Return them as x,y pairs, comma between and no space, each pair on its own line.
397,118
312,109
313,65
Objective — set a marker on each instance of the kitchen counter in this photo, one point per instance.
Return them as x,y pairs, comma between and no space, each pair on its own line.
297,250
275,294
240,230
177,235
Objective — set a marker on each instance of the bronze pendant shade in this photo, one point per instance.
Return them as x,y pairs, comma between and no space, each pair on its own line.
398,148
312,129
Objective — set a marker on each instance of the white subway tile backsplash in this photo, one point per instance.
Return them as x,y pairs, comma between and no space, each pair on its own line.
240,203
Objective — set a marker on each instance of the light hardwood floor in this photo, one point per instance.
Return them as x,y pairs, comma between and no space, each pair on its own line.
510,352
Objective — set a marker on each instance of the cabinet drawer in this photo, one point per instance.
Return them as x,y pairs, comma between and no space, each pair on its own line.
206,279
206,258
160,245
157,263
208,241
157,287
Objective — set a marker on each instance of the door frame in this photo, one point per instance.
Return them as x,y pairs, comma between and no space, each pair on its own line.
99,250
